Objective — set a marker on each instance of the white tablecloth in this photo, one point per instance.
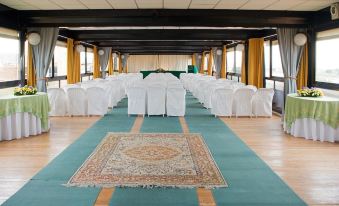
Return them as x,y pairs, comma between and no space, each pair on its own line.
20,125
313,129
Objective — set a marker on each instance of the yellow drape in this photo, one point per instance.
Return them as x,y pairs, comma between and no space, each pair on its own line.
126,65
243,67
110,64
120,64
210,63
202,65
223,63
302,76
70,61
255,62
96,66
76,68
193,60
31,78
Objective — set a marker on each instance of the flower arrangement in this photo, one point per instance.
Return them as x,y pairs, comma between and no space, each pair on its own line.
310,92
25,90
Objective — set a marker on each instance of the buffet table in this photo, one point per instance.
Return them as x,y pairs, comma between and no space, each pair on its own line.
22,116
312,118
175,73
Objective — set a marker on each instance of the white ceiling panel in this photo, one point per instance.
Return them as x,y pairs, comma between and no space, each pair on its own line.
284,4
176,4
227,4
24,7
203,4
313,5
149,4
257,4
69,4
12,2
44,5
123,4
97,4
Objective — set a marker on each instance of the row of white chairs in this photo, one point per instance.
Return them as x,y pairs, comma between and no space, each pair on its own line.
227,97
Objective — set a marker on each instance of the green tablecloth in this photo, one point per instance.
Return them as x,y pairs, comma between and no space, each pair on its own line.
325,109
175,73
37,104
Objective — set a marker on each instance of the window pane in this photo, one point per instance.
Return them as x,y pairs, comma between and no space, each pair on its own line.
9,54
238,62
327,64
267,58
60,61
90,59
230,61
82,62
276,60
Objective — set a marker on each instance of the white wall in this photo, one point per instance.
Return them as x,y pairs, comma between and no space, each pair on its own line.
153,62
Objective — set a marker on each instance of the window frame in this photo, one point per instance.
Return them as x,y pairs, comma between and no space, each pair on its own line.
233,74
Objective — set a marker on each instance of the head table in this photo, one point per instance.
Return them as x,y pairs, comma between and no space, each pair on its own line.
22,116
314,118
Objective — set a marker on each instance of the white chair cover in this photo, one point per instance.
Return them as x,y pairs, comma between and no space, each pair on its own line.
156,98
58,102
66,87
97,101
175,101
242,102
77,101
262,102
136,100
222,100
254,88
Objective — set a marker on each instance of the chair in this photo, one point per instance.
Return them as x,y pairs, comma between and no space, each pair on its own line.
58,102
136,100
97,101
77,101
175,101
254,88
222,101
66,87
242,102
156,99
262,102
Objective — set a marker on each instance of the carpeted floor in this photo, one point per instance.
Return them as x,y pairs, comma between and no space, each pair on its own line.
250,180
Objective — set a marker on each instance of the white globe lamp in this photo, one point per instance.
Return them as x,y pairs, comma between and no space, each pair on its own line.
34,38
101,52
219,52
199,57
80,48
240,47
300,39
122,56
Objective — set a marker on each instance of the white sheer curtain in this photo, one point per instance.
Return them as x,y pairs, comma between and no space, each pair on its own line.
137,63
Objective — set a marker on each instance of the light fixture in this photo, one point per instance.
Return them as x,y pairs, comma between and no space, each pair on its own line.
122,56
101,52
300,39
240,47
114,55
33,38
219,52
199,57
80,48
208,55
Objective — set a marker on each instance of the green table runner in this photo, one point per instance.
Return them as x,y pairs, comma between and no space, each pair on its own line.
37,104
175,73
325,109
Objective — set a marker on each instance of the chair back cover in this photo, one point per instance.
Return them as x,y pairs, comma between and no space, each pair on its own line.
254,88
156,99
262,102
77,101
58,102
242,102
136,100
97,101
175,101
222,101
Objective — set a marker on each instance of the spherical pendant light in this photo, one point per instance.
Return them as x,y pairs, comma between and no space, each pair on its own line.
101,52
300,39
80,48
219,52
34,38
240,47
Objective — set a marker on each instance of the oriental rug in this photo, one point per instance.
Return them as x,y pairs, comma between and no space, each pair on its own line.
150,160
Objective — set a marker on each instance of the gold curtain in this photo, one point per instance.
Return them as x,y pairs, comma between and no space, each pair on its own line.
31,78
110,64
202,66
96,66
76,70
223,63
126,65
256,62
210,63
193,60
70,61
120,63
243,67
302,76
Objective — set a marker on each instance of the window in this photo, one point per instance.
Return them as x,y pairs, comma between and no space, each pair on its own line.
60,59
9,55
277,70
90,59
238,61
327,63
267,57
230,60
82,62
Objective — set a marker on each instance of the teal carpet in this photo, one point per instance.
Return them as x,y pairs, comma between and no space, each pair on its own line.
250,180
